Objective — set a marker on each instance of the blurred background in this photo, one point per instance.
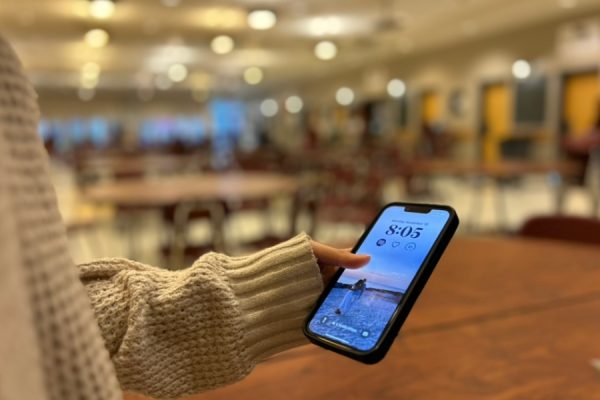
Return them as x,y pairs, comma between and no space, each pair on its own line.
179,126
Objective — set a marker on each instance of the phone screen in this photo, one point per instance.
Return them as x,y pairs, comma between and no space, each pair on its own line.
362,302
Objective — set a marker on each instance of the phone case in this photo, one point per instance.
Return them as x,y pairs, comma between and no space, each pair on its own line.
411,295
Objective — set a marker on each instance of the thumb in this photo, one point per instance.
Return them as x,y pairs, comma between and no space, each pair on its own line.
350,260
332,256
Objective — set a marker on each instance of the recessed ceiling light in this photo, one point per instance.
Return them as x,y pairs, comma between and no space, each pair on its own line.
521,69
344,96
294,104
90,75
222,44
90,69
253,75
97,38
321,26
318,26
269,108
88,82
177,72
325,50
102,9
396,88
261,19
223,17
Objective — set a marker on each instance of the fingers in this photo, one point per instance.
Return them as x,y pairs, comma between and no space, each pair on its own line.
342,258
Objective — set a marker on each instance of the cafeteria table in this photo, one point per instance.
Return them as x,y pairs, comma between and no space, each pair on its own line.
180,191
501,318
120,166
501,173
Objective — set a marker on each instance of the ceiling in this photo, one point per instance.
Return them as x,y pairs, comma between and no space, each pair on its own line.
147,37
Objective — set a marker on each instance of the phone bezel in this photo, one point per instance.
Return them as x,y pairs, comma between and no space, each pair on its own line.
390,332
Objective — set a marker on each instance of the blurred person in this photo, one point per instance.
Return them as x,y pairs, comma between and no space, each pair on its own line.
90,331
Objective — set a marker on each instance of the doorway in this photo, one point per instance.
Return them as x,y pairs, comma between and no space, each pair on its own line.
495,119
431,108
580,103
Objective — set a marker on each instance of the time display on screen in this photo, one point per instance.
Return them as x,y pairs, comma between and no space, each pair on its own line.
404,231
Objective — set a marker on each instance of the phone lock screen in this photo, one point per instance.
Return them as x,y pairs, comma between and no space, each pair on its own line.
362,302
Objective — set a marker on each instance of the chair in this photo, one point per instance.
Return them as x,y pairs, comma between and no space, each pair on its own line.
177,221
559,227
350,192
592,179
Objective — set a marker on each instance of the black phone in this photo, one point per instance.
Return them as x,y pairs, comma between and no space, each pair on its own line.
361,311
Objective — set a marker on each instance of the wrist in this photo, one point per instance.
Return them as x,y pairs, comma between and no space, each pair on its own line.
275,288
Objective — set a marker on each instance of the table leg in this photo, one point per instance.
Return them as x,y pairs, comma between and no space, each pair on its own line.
478,186
132,224
180,230
593,180
178,237
501,209
294,213
557,183
217,213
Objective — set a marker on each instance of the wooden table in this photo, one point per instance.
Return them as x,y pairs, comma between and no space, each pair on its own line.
500,319
160,192
139,165
180,191
498,169
500,173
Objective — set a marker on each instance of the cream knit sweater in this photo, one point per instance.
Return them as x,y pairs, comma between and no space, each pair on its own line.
162,333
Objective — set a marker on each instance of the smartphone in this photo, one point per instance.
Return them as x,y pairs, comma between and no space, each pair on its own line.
361,311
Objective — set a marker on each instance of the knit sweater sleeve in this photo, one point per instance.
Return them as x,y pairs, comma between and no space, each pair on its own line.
175,333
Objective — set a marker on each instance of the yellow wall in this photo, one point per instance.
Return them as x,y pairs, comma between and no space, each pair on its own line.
496,114
431,108
581,101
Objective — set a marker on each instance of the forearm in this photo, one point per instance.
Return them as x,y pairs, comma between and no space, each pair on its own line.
172,333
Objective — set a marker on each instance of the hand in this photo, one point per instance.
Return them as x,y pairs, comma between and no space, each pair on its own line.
330,259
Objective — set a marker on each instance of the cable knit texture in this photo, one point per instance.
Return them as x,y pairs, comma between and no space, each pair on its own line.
168,333
173,333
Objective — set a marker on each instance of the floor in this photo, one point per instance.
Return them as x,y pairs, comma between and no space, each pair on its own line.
476,203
